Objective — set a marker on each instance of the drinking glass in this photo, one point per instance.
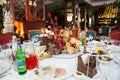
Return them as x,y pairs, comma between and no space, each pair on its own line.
6,50
35,38
31,59
117,42
27,46
111,41
47,69
107,41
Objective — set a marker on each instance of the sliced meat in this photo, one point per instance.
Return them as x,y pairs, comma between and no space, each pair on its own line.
59,72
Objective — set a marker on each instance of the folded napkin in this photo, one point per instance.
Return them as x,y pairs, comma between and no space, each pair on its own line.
85,58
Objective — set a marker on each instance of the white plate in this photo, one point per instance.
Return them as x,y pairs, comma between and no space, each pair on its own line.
5,65
66,55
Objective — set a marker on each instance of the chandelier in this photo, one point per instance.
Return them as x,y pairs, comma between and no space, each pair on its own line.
109,12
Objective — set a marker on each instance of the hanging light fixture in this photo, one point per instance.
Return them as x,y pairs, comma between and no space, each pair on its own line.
110,12
69,17
32,3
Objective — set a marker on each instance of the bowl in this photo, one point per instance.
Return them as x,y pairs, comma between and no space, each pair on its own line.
79,75
105,59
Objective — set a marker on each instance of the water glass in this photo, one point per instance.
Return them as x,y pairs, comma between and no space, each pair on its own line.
27,46
6,50
35,39
47,69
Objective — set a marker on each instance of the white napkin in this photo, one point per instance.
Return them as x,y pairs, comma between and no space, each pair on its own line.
85,58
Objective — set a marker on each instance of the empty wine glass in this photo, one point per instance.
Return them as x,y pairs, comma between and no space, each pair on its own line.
47,69
103,38
107,40
35,39
6,50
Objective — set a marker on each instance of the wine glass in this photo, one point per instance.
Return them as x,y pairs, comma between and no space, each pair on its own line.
35,39
47,69
107,40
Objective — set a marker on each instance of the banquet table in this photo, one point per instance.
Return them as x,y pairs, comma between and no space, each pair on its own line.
113,74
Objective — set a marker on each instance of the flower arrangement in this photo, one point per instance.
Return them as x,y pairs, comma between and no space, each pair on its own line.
63,40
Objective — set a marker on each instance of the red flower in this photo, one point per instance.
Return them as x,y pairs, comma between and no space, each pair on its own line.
59,28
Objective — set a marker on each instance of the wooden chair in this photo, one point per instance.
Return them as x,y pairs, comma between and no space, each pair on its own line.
32,33
92,33
115,35
105,31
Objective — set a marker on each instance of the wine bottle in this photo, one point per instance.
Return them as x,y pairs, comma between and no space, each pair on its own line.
21,61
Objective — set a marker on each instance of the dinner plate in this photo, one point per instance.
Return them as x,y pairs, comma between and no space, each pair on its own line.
66,55
5,65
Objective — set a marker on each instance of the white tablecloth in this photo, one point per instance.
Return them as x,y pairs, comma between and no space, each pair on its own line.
71,65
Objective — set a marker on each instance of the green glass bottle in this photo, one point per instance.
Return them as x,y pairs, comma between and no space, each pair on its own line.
21,61
82,40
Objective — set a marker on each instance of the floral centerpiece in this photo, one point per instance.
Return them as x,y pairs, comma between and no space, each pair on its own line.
59,40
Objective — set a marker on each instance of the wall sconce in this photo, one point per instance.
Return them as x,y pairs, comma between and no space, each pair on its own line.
69,17
30,3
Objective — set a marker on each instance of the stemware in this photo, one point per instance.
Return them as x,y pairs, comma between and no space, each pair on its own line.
35,39
6,50
47,69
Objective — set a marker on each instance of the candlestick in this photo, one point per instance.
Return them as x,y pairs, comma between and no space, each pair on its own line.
85,33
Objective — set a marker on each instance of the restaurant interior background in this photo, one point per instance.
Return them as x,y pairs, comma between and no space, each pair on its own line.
32,14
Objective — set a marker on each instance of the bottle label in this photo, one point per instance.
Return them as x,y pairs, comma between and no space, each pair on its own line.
21,63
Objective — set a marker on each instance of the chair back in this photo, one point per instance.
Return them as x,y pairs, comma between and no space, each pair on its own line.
105,31
5,38
92,34
115,35
32,33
